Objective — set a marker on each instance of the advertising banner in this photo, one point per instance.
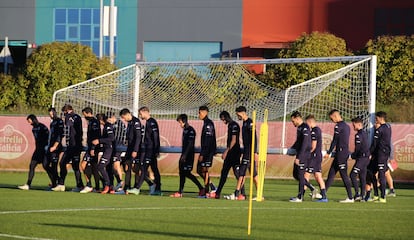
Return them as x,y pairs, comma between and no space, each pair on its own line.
17,146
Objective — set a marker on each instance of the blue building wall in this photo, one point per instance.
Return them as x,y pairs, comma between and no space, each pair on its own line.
78,21
189,29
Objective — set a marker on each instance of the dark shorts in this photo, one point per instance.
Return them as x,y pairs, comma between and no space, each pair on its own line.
185,166
382,163
72,154
207,161
341,157
314,164
373,164
117,157
88,158
246,164
360,163
39,156
106,153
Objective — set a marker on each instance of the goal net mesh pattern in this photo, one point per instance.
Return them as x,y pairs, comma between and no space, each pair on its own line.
172,88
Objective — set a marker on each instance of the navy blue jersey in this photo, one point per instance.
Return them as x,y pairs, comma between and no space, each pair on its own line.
107,136
134,135
247,136
120,141
233,129
361,145
56,131
74,130
151,139
303,142
94,131
41,135
382,140
316,135
188,141
340,141
208,138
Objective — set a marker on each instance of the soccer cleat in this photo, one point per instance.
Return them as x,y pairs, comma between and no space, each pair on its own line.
391,193
315,194
176,195
241,197
230,197
381,200
59,188
76,189
375,198
295,199
24,187
358,198
119,185
347,200
322,200
86,189
152,189
255,199
135,191
105,190
202,192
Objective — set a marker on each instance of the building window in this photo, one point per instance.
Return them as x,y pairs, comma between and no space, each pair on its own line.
80,26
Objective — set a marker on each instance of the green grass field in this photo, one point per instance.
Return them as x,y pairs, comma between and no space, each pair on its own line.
40,215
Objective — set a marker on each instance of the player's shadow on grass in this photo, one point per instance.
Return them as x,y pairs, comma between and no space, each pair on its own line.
15,187
154,232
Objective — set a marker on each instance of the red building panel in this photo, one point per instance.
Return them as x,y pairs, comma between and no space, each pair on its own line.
282,21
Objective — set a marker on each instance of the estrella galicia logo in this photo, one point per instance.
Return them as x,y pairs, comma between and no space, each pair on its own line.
13,143
404,152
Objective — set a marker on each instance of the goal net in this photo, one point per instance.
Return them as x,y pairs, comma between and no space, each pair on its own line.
172,88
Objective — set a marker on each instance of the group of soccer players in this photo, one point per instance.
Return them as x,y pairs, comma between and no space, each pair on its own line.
104,158
234,157
370,161
108,154
113,149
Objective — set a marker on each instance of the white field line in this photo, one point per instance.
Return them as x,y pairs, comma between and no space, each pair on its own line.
199,208
23,237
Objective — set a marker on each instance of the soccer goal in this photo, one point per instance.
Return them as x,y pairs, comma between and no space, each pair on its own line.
172,88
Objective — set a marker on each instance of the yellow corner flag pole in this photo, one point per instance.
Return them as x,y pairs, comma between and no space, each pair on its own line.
249,221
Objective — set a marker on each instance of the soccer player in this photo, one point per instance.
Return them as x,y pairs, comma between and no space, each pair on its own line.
41,135
134,138
105,146
381,148
54,147
73,135
89,164
315,162
231,155
118,145
208,149
150,152
247,137
303,151
186,161
361,156
340,143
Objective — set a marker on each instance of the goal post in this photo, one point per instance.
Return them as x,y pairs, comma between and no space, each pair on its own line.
173,88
